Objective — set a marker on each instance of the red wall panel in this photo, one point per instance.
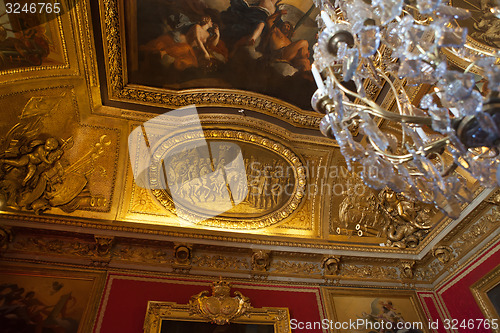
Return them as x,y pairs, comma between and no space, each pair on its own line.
456,293
124,304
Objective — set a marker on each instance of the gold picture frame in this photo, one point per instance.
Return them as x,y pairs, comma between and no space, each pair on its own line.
350,304
114,22
480,291
219,308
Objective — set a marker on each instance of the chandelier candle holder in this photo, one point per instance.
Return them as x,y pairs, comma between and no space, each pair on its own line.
452,132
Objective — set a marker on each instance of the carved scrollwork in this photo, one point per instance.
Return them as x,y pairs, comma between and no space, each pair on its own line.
261,261
331,265
103,245
407,268
442,253
219,308
5,237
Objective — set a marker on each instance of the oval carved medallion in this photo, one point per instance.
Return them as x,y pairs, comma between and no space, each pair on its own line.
226,179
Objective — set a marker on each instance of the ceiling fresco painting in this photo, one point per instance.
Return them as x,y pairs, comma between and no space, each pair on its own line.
259,46
28,39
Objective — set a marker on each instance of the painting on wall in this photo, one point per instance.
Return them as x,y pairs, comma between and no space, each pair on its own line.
262,46
33,302
374,311
29,35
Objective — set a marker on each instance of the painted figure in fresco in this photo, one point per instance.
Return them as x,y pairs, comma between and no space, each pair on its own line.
279,46
26,313
245,23
384,311
198,46
29,47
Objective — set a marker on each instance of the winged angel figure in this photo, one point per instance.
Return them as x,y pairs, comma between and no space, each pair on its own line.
34,175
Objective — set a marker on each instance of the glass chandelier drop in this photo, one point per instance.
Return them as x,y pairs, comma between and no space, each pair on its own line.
451,135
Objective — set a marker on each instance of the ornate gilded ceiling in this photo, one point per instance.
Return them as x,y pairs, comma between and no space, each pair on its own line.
69,190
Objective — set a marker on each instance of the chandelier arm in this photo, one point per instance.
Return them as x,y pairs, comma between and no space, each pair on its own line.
394,90
415,20
376,110
398,103
427,149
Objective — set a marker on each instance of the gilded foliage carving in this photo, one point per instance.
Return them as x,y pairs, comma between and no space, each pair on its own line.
379,272
142,254
220,262
56,246
481,227
293,267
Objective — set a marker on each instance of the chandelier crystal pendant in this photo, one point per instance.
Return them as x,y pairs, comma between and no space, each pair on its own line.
451,135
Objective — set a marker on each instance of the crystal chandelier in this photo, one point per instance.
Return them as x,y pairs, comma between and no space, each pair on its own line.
451,135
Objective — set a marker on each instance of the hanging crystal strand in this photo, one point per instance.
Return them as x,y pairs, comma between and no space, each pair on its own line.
455,129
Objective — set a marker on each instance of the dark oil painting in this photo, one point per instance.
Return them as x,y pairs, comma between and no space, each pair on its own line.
262,46
173,326
39,304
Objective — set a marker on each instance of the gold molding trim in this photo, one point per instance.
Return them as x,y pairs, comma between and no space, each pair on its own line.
119,89
267,220
219,309
480,290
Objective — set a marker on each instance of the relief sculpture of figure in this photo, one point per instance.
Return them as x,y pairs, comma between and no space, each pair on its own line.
41,169
488,26
407,221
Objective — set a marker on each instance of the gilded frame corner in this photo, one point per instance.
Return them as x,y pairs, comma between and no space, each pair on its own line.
480,291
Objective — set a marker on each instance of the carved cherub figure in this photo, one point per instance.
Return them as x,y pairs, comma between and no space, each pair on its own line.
40,154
